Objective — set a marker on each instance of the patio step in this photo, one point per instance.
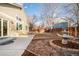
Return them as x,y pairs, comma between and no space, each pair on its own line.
6,40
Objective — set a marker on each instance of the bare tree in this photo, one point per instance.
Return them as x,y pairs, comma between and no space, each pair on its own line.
32,20
47,14
57,10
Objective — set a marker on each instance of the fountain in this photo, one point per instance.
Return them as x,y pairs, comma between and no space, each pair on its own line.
65,37
65,46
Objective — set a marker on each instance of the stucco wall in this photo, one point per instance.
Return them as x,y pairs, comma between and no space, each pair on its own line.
14,11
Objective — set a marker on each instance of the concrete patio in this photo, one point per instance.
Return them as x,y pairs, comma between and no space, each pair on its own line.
17,47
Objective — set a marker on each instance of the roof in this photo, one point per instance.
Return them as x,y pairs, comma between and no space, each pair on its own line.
17,4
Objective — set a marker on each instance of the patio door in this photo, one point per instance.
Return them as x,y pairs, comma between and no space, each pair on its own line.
0,27
3,27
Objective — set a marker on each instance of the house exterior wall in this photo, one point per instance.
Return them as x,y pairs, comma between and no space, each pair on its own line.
14,12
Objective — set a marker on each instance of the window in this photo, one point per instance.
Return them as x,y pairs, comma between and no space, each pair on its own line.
18,18
19,26
26,27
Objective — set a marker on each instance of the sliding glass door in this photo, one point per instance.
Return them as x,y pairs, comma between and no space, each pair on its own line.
0,27
3,27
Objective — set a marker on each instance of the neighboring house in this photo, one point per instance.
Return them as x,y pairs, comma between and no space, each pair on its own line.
13,21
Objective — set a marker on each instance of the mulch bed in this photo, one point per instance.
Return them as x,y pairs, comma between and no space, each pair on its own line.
28,53
70,44
42,47
46,36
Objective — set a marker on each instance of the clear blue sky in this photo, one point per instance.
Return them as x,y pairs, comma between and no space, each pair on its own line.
61,10
32,9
